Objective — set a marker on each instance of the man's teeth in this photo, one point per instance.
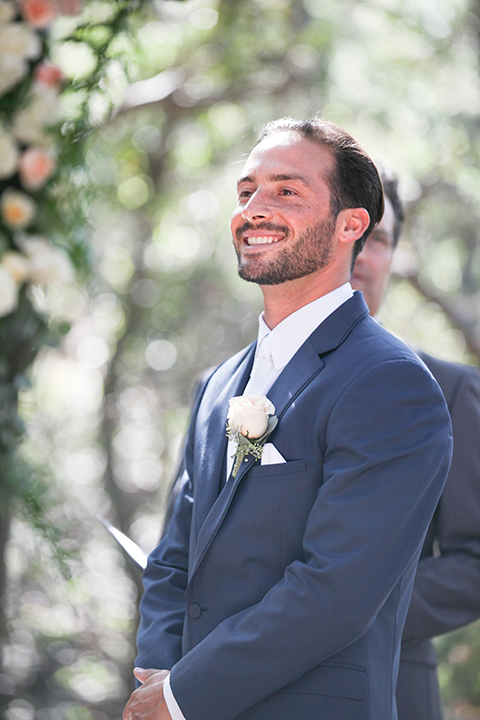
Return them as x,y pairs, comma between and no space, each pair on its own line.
262,240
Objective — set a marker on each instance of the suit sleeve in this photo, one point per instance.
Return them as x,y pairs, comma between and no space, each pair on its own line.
180,476
162,608
363,533
446,592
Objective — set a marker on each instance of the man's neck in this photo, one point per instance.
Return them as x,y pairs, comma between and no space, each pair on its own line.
282,300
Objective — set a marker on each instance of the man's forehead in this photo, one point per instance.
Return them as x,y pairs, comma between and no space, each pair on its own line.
287,154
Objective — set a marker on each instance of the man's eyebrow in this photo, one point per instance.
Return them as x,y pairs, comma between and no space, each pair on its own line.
284,177
245,179
279,177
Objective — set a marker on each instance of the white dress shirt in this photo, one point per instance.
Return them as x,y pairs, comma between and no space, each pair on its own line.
285,340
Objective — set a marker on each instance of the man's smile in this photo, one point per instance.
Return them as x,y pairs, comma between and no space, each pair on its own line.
261,235
262,239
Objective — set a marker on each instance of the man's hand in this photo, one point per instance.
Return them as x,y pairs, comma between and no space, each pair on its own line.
147,701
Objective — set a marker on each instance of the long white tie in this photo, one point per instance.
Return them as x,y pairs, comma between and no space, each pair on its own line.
261,370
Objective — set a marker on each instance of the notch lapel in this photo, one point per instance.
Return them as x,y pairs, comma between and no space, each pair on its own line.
305,365
299,372
228,381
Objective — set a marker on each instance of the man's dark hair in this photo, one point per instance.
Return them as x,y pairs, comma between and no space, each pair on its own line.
390,190
354,182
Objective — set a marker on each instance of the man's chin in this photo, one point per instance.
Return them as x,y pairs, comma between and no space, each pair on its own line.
259,278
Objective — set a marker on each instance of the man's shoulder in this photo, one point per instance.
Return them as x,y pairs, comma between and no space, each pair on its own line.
358,337
374,344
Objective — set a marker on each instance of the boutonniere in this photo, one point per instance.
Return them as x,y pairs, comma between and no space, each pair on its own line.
248,426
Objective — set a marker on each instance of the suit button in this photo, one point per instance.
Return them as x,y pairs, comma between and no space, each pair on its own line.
194,611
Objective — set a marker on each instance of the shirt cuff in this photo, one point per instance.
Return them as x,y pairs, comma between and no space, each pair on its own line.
172,704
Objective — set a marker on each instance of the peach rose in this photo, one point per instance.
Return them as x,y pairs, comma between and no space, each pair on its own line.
39,13
35,167
17,208
250,414
49,75
16,264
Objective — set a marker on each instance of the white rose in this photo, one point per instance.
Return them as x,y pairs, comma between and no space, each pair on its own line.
7,11
8,293
43,111
250,414
16,264
12,70
8,154
48,264
18,209
20,41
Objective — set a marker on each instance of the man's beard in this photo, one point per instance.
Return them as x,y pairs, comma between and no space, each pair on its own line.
310,253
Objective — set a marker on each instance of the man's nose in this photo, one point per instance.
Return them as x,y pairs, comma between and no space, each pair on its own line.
257,208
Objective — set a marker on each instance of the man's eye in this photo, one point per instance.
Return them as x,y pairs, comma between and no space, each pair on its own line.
286,191
244,194
379,242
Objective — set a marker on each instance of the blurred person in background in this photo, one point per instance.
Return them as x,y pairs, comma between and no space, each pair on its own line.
446,593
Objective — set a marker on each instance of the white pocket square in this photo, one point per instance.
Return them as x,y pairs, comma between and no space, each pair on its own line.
270,455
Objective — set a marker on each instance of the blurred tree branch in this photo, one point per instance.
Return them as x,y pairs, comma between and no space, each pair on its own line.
457,317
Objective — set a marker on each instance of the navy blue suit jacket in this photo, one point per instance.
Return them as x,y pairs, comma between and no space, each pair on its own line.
284,594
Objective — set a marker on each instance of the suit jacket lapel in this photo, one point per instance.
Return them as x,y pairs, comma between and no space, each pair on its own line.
228,381
300,371
298,374
307,362
337,326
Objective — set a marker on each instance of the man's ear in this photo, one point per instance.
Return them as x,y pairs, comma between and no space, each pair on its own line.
351,224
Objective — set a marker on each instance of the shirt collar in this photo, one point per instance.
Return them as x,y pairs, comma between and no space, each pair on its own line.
289,335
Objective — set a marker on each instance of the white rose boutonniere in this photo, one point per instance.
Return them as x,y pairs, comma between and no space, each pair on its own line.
250,420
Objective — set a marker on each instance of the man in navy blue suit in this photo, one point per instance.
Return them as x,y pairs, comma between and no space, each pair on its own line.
281,587
446,591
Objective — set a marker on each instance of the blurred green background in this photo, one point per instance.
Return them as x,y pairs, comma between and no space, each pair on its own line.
183,91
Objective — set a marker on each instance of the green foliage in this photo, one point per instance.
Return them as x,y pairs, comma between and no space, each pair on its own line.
33,502
459,655
60,210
